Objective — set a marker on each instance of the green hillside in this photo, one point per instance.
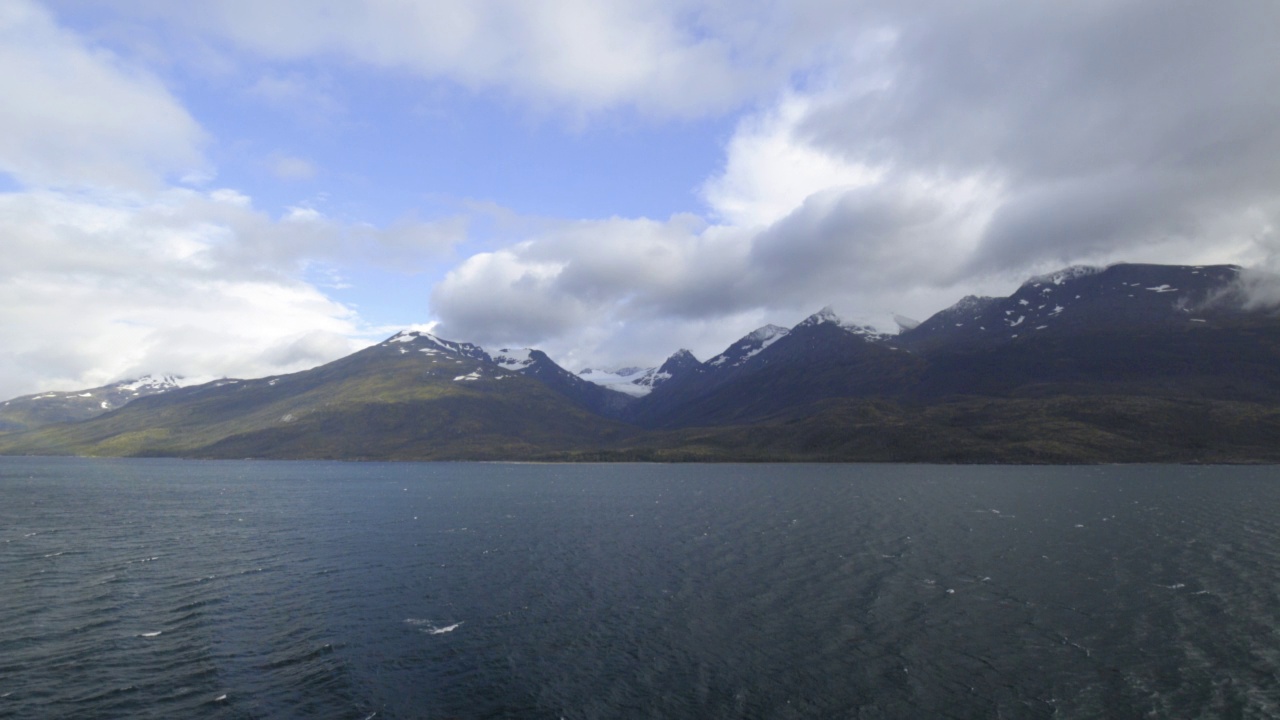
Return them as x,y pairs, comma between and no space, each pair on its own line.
374,404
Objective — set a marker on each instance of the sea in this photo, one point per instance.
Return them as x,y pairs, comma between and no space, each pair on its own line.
222,589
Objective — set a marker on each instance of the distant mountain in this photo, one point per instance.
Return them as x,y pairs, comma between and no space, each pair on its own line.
413,396
639,382
604,400
1146,329
1129,363
33,411
772,370
1081,299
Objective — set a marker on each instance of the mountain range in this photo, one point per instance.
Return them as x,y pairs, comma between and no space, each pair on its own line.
1127,363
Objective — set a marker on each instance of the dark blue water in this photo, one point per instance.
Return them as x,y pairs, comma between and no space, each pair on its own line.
163,589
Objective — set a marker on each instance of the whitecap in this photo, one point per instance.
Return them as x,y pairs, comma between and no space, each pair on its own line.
221,698
442,630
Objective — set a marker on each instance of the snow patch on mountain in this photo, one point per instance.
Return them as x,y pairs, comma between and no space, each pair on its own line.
653,378
636,382
828,316
824,316
514,359
152,382
749,346
427,341
1066,274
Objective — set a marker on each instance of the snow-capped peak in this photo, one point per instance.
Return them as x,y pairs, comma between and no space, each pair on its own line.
151,382
680,361
767,334
1064,275
513,358
749,346
827,316
823,316
430,344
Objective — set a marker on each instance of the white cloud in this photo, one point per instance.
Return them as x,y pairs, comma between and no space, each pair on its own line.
76,116
769,171
290,168
665,58
800,228
298,94
97,287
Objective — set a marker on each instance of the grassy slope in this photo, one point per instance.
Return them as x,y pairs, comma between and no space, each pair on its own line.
389,407
1061,429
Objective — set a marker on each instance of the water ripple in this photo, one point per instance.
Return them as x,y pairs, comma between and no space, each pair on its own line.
157,589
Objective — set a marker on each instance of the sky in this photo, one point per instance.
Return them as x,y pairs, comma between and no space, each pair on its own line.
251,187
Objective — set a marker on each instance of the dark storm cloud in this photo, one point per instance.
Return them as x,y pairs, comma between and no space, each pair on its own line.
837,238
1109,123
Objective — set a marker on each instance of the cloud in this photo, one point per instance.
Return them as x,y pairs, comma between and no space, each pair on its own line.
799,229
76,116
1112,127
769,172
593,293
664,58
99,287
955,151
298,94
617,268
290,169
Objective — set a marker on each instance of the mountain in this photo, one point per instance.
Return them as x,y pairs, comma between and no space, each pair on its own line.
33,411
1175,331
603,400
748,347
1129,363
413,396
1121,364
680,377
639,382
772,370
1079,300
